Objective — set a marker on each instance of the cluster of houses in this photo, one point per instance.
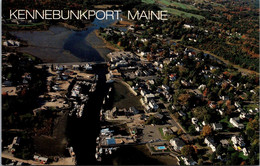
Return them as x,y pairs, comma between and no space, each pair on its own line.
177,144
239,144
42,160
107,142
117,113
14,144
146,69
149,96
11,43
79,99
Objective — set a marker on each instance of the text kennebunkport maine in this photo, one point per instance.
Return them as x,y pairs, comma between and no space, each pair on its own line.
22,14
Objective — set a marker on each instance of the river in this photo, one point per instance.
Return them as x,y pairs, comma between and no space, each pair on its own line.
61,45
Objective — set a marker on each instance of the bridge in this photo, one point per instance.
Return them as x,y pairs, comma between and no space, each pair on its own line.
72,63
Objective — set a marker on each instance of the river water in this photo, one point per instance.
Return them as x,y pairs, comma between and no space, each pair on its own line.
59,44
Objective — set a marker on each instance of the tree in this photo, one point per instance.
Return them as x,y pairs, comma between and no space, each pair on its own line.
234,158
219,149
250,133
253,124
213,157
179,132
191,129
187,150
206,131
200,162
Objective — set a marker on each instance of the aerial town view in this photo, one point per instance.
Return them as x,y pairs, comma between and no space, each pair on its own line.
136,82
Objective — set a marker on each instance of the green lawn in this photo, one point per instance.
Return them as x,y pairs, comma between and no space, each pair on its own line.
166,137
183,14
29,56
241,155
250,106
177,4
226,120
165,2
148,1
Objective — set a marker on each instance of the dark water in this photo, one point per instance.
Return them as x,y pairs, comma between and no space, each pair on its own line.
59,44
76,43
82,132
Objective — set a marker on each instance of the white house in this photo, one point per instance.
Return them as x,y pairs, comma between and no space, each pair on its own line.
238,142
177,144
194,120
143,92
148,97
153,105
217,126
234,122
239,110
187,26
245,152
188,161
210,143
202,87
242,115
165,87
221,112
181,113
198,128
237,104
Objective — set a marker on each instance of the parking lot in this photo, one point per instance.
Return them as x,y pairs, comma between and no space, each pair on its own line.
152,133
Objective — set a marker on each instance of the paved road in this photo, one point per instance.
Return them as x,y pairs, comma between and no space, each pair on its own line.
11,157
243,70
177,124
229,133
71,63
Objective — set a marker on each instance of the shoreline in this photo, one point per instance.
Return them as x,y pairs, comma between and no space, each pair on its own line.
107,44
43,27
122,23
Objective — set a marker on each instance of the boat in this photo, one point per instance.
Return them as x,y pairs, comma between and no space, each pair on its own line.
109,81
110,150
100,150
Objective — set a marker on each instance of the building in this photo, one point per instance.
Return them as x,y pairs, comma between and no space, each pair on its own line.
165,87
238,142
188,161
167,131
42,160
177,144
148,97
234,122
194,120
198,128
153,105
133,110
210,143
217,126
106,131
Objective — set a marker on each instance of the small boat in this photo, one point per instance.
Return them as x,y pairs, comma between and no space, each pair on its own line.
109,81
110,150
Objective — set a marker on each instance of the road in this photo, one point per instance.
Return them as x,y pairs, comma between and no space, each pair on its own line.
72,63
8,155
176,123
243,70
